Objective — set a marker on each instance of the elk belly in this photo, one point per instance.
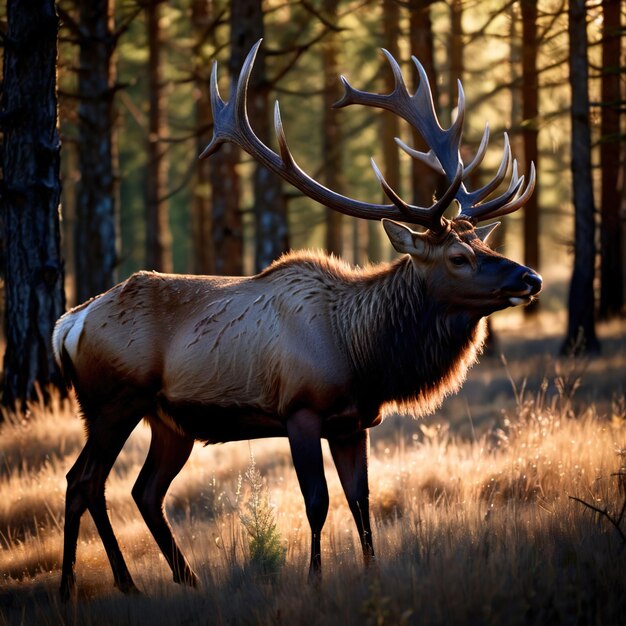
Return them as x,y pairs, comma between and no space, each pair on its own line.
212,423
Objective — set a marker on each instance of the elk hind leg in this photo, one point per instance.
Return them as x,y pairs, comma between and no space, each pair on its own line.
168,453
85,490
351,457
304,431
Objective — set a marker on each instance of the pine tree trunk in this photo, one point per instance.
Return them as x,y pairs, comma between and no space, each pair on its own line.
612,270
332,148
270,208
530,132
227,227
425,180
96,227
456,53
158,235
581,333
202,245
31,189
390,126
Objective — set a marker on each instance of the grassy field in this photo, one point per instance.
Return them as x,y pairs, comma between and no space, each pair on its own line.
473,519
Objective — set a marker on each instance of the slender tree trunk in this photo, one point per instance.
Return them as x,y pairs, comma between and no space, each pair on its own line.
96,227
270,208
158,235
227,224
390,126
581,332
202,245
332,149
612,270
31,189
530,132
227,228
456,53
425,180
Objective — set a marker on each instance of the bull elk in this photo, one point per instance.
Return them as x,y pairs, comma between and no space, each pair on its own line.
310,348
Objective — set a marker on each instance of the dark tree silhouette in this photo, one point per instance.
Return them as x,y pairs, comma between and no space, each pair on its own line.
158,235
530,132
390,124
456,52
332,150
31,188
227,227
581,331
270,207
203,259
96,228
424,179
612,271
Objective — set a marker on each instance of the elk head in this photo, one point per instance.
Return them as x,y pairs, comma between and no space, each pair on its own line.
452,255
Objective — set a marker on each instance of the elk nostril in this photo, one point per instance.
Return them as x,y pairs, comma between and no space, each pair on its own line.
534,281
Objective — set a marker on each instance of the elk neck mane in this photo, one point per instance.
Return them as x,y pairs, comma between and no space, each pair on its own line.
406,350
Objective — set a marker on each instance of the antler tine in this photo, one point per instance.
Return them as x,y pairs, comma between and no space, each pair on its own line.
428,158
479,156
473,197
508,202
399,94
217,106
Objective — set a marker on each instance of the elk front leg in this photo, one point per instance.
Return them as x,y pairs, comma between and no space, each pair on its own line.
351,458
168,453
304,429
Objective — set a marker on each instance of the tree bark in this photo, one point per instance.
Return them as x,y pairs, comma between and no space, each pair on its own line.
581,333
390,126
31,190
530,133
270,207
425,180
456,53
96,226
332,149
158,235
227,224
202,245
612,270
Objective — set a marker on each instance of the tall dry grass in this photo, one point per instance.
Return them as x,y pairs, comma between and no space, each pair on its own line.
479,530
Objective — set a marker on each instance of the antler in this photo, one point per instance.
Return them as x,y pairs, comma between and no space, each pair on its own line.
231,124
444,144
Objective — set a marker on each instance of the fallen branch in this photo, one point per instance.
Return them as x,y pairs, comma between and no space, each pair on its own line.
605,513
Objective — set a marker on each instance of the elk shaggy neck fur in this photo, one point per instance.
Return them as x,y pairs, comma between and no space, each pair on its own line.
407,352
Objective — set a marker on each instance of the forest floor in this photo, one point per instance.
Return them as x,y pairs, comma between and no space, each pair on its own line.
474,522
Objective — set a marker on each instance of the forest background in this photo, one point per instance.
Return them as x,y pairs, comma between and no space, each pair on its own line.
134,114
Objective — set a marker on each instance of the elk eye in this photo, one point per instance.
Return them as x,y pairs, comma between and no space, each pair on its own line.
459,260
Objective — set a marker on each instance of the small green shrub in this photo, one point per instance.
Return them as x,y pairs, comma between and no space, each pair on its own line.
267,550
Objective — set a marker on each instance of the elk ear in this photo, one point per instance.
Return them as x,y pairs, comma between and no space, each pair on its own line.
403,239
483,232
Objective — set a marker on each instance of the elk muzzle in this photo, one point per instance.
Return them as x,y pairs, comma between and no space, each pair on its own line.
522,285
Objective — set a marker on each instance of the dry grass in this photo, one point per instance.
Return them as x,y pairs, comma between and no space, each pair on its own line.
473,530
